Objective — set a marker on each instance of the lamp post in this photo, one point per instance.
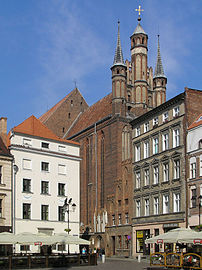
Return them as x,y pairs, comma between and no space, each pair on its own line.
199,207
66,208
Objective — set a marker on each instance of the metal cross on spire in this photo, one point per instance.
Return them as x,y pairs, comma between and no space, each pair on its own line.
139,12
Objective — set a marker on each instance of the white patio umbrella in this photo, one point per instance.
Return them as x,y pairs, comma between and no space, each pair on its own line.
179,235
65,238
27,238
7,238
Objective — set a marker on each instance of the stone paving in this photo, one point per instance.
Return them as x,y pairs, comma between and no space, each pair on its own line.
112,264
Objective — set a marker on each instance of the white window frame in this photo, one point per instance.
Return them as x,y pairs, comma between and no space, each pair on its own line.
192,170
138,179
165,172
146,202
165,141
156,174
62,169
62,148
155,121
176,168
138,208
165,117
48,166
155,145
119,219
176,202
27,142
137,152
138,132
146,127
26,167
193,196
156,205
176,137
165,204
146,177
176,111
146,149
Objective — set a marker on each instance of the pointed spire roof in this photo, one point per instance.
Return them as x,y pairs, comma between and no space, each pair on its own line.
139,30
118,58
159,67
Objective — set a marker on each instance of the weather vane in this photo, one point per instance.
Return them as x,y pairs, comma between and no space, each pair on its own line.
139,12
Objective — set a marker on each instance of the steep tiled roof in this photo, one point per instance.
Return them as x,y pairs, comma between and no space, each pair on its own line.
3,149
43,118
32,126
197,122
96,112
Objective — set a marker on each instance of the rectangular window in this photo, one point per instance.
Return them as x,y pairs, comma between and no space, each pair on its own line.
61,189
146,127
137,131
44,212
27,142
26,164
45,145
146,177
156,205
176,137
61,247
119,219
61,213
26,185
126,218
26,210
120,241
61,148
193,197
137,153
176,111
193,170
165,204
1,178
156,175
165,117
155,146
126,201
146,207
44,187
165,142
176,169
176,202
155,121
113,220
165,172
137,179
25,248
61,169
1,210
126,242
138,208
146,149
119,202
44,166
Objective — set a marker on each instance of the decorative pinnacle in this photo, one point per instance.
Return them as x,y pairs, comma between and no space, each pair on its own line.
159,67
118,58
139,13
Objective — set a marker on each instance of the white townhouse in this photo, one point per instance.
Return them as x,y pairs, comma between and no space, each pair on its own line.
46,172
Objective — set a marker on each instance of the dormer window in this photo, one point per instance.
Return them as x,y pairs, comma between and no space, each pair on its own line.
176,111
45,145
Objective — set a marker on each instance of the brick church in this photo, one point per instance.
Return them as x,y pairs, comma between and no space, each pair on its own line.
104,133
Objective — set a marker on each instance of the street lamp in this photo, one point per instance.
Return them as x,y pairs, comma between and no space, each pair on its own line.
66,208
199,212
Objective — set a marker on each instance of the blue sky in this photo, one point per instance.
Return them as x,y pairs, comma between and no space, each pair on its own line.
48,44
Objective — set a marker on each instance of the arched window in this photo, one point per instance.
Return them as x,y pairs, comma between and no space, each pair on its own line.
102,169
126,143
117,71
69,115
200,144
143,40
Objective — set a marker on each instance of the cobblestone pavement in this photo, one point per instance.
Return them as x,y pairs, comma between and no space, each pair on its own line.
112,264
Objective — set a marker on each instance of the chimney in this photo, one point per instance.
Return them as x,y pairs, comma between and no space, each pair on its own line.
3,129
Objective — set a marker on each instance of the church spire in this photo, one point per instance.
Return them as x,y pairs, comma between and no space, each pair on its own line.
159,67
118,58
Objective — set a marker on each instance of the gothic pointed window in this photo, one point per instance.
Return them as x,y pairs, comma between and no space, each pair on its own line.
102,170
125,143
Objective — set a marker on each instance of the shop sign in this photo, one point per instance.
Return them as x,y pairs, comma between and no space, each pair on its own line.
171,225
38,243
139,234
160,241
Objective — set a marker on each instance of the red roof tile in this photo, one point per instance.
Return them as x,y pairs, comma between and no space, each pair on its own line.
197,122
32,126
96,112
